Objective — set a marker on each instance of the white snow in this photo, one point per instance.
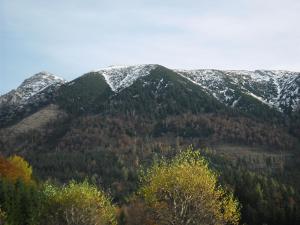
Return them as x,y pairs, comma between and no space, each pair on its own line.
30,87
235,102
120,77
276,88
260,99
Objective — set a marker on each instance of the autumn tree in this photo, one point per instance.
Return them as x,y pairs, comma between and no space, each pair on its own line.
7,169
23,166
77,204
185,191
14,168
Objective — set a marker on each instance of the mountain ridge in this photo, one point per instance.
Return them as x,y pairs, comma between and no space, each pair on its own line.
277,89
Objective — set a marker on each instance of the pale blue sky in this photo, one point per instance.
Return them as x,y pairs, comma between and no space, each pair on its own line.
69,38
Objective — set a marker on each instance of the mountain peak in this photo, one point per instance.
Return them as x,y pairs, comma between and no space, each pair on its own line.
29,87
43,76
122,76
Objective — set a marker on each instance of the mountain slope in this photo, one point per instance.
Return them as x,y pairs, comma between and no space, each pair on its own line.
84,94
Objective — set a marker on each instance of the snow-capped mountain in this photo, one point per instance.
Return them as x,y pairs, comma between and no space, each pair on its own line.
32,94
30,87
278,89
252,92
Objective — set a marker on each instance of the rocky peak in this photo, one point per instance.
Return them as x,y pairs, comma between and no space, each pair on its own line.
29,88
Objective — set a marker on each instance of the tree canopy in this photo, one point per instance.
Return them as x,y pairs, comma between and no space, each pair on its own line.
77,204
14,168
185,191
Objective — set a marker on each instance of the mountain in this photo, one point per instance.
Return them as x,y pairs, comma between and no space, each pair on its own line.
260,93
152,90
254,92
33,93
108,123
215,107
29,87
146,106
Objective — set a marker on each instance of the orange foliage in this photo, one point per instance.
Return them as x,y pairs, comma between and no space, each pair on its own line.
15,168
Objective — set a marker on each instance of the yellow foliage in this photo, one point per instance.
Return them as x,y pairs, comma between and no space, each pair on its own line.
81,204
186,191
23,166
14,168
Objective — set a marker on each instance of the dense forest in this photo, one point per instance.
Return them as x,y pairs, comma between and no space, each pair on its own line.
269,197
166,195
108,152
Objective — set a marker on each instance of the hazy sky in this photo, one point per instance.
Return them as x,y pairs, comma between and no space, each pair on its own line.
69,38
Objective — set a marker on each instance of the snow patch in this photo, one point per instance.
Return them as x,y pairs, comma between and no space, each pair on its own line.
120,77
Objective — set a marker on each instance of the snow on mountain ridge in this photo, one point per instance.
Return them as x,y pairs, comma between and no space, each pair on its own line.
120,77
276,88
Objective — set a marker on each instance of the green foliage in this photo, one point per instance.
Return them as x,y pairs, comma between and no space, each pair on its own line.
85,94
19,195
266,197
2,216
186,191
20,201
73,204
26,203
253,108
102,167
